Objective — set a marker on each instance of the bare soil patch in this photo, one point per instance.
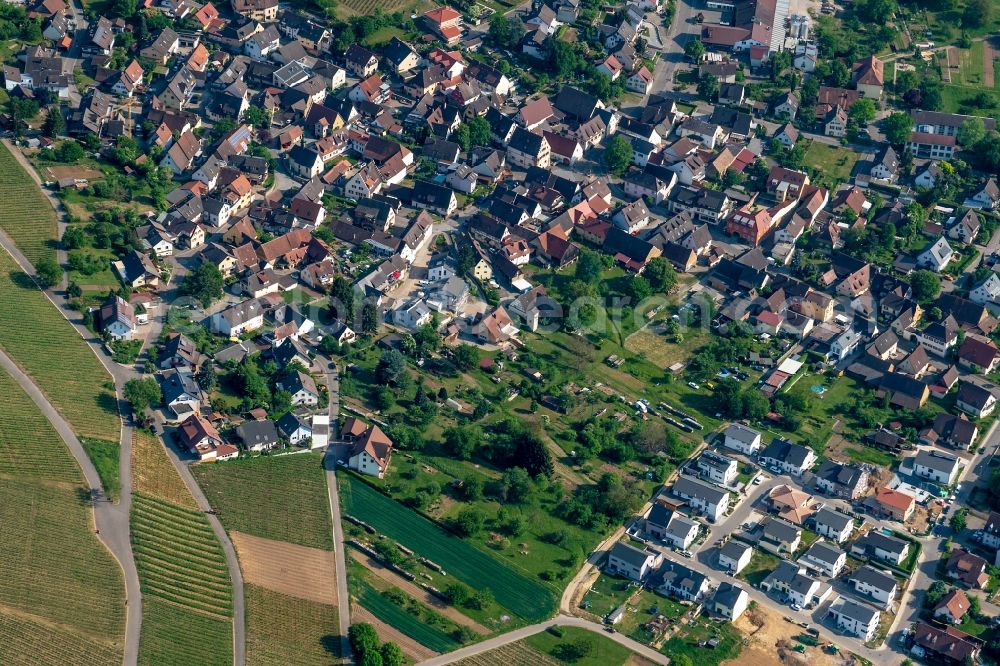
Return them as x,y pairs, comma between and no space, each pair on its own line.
297,571
411,648
419,593
78,172
989,55
771,640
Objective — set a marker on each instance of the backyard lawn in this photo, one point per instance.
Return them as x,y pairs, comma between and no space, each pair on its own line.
830,165
761,564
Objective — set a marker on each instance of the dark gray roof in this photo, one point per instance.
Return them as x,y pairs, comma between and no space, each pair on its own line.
258,433
630,554
695,488
824,552
872,576
833,519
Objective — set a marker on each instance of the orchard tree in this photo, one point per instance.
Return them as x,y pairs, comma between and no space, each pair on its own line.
48,273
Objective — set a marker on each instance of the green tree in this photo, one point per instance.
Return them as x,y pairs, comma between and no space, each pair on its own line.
390,366
681,660
392,655
204,284
257,117
465,357
897,128
342,296
589,266
694,49
708,87
958,520
369,318
469,522
862,112
935,593
639,289
142,393
207,378
926,285
479,131
363,638
661,274
55,123
971,132
618,155
48,273
977,14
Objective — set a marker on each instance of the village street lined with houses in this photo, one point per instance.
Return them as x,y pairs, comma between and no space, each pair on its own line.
558,332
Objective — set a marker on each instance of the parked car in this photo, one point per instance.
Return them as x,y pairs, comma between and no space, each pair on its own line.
693,385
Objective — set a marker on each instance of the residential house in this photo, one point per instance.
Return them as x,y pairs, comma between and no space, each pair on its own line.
259,435
788,457
718,469
703,497
631,562
729,601
734,556
302,387
968,569
895,504
676,580
780,537
948,646
840,480
952,607
833,524
936,466
201,439
881,546
979,355
824,558
742,438
238,319
295,429
931,146
936,256
855,619
875,585
117,319
371,449
975,400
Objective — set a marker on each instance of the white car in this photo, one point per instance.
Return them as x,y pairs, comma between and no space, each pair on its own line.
693,385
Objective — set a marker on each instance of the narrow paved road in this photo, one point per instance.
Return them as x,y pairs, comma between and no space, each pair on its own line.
330,462
558,621
111,520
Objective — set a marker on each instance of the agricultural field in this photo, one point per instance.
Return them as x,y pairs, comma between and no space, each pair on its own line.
179,558
512,589
54,565
277,497
285,630
27,642
175,636
514,654
403,620
25,215
154,475
603,652
30,448
33,332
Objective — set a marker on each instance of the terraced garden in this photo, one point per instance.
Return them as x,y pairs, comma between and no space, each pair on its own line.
511,588
284,630
35,335
277,497
179,558
25,215
174,636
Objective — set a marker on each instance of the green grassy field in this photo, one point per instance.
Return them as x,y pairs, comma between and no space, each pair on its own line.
106,457
179,558
174,636
395,616
284,630
35,334
511,588
25,215
603,652
277,497
832,164
30,643
686,643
